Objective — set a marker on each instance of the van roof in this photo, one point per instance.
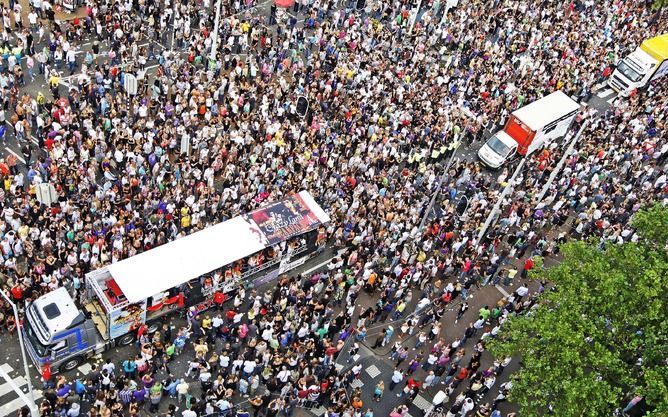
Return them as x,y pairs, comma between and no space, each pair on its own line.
657,47
546,110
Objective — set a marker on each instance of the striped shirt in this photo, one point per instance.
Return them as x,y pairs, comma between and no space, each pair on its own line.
125,395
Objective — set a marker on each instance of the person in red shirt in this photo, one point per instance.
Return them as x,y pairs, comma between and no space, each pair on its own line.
17,292
528,266
461,376
411,388
230,315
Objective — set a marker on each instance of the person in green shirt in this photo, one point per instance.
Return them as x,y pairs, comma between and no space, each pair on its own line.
155,395
169,351
322,331
496,312
484,312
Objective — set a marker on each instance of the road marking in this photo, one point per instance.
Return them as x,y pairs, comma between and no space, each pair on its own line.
85,368
15,404
502,290
6,388
34,140
19,157
605,93
357,383
250,9
323,263
421,403
373,371
10,386
319,411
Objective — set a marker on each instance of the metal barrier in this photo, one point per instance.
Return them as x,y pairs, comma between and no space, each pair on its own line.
275,261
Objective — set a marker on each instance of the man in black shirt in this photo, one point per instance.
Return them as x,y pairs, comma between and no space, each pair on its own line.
94,376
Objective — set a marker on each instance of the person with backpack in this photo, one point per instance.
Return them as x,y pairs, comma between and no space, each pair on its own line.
130,368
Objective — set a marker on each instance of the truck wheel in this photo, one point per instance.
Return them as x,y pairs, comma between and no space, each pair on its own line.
126,340
70,364
154,327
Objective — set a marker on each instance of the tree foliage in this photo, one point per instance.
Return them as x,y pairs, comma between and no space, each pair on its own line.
659,4
602,334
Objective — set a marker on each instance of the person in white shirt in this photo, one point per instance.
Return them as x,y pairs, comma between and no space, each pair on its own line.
429,379
109,367
466,407
424,302
74,411
267,333
248,368
521,292
189,413
397,377
182,390
223,404
284,375
224,361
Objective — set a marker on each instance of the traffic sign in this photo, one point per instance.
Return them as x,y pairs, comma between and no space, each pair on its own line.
46,193
185,145
130,84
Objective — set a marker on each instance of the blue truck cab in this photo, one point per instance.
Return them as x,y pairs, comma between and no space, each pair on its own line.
58,332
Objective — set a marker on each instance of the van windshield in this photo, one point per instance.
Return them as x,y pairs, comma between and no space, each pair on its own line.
629,72
497,146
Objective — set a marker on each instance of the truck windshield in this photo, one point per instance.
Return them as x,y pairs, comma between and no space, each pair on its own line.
629,72
40,349
498,146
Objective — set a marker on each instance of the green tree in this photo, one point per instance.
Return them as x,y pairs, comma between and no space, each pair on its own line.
602,333
659,4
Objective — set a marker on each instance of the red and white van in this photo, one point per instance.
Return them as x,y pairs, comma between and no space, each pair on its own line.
530,128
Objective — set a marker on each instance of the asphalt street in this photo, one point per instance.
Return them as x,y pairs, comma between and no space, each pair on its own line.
376,363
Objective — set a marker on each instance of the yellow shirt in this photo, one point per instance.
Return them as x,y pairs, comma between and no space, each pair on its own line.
206,323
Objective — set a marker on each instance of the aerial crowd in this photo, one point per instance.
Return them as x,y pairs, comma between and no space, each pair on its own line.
391,101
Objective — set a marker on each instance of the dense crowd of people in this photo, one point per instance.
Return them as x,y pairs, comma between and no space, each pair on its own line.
390,103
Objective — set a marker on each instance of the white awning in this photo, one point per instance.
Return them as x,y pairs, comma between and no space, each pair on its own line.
174,263
177,262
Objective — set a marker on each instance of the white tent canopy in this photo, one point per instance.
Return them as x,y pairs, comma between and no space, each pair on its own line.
177,262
